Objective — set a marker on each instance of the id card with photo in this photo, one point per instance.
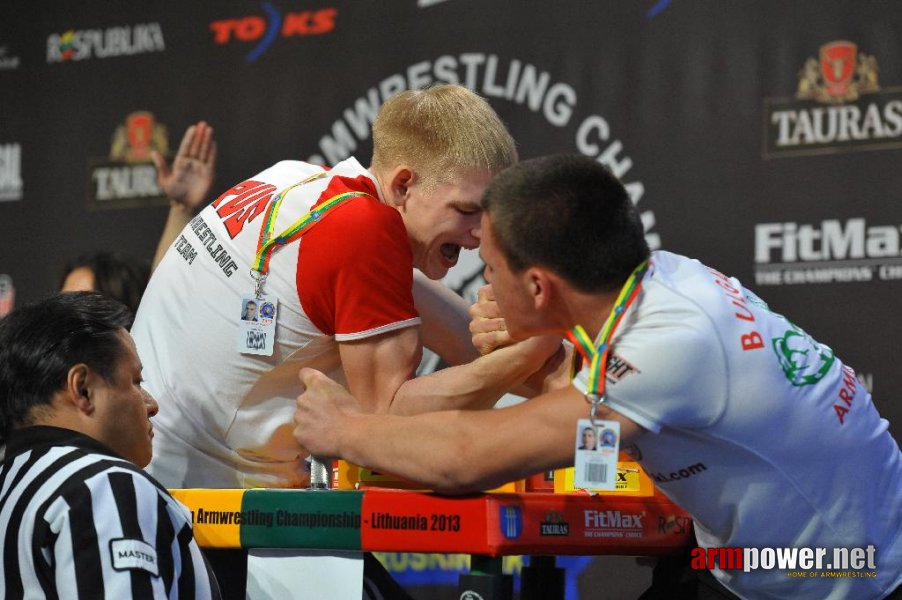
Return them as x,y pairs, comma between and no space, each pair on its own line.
595,455
257,324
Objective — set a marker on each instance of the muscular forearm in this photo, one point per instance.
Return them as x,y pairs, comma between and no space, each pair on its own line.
466,451
476,385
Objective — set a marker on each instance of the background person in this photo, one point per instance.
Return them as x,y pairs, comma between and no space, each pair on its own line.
186,183
703,394
76,425
116,276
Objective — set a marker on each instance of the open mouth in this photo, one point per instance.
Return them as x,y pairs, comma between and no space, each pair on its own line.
450,252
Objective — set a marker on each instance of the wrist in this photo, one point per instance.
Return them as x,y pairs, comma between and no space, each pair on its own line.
179,209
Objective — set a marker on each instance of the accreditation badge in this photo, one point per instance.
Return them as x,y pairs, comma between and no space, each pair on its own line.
257,324
595,456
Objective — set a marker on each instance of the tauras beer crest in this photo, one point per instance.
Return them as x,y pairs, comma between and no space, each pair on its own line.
839,106
128,178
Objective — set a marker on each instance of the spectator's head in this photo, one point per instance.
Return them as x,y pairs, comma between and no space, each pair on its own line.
121,278
434,151
69,361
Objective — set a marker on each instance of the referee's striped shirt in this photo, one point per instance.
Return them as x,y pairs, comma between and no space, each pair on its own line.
78,521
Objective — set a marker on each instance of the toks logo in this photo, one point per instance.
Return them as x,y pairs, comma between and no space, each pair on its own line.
264,31
839,107
128,178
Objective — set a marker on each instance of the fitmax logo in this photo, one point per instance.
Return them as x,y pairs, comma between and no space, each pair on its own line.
265,29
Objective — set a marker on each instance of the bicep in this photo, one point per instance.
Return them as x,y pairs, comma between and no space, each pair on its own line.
377,366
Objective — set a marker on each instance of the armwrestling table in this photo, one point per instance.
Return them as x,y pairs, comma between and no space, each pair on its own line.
310,543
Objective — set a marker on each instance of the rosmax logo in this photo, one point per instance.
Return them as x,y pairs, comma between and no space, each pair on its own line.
262,31
839,107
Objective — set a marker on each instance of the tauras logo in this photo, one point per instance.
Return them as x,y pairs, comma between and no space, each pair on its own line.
128,177
832,251
839,106
554,525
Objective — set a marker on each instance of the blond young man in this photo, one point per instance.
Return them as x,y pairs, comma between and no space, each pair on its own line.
342,289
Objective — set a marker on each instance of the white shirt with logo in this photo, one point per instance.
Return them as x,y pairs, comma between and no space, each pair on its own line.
226,417
755,429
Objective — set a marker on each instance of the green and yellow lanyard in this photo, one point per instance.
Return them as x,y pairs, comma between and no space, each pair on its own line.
597,358
268,244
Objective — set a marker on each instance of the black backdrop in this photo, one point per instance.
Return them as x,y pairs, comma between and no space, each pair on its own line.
693,103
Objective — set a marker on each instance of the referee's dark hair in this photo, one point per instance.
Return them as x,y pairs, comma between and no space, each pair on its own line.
40,342
570,214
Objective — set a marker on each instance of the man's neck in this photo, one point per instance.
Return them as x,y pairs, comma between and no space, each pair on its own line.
590,310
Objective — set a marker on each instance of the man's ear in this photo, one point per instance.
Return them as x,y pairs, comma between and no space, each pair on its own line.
399,181
539,284
79,383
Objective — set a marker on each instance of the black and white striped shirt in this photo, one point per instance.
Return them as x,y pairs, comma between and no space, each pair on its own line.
78,521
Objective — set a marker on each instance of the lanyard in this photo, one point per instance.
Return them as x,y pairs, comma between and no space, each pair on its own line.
268,243
598,357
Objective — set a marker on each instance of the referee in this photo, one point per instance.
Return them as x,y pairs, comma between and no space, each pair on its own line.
78,516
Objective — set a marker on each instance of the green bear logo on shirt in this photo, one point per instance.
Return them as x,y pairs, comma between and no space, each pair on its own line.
803,360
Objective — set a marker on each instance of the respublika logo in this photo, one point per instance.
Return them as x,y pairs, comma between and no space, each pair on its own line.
510,520
128,178
833,251
839,107
82,44
10,172
262,31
